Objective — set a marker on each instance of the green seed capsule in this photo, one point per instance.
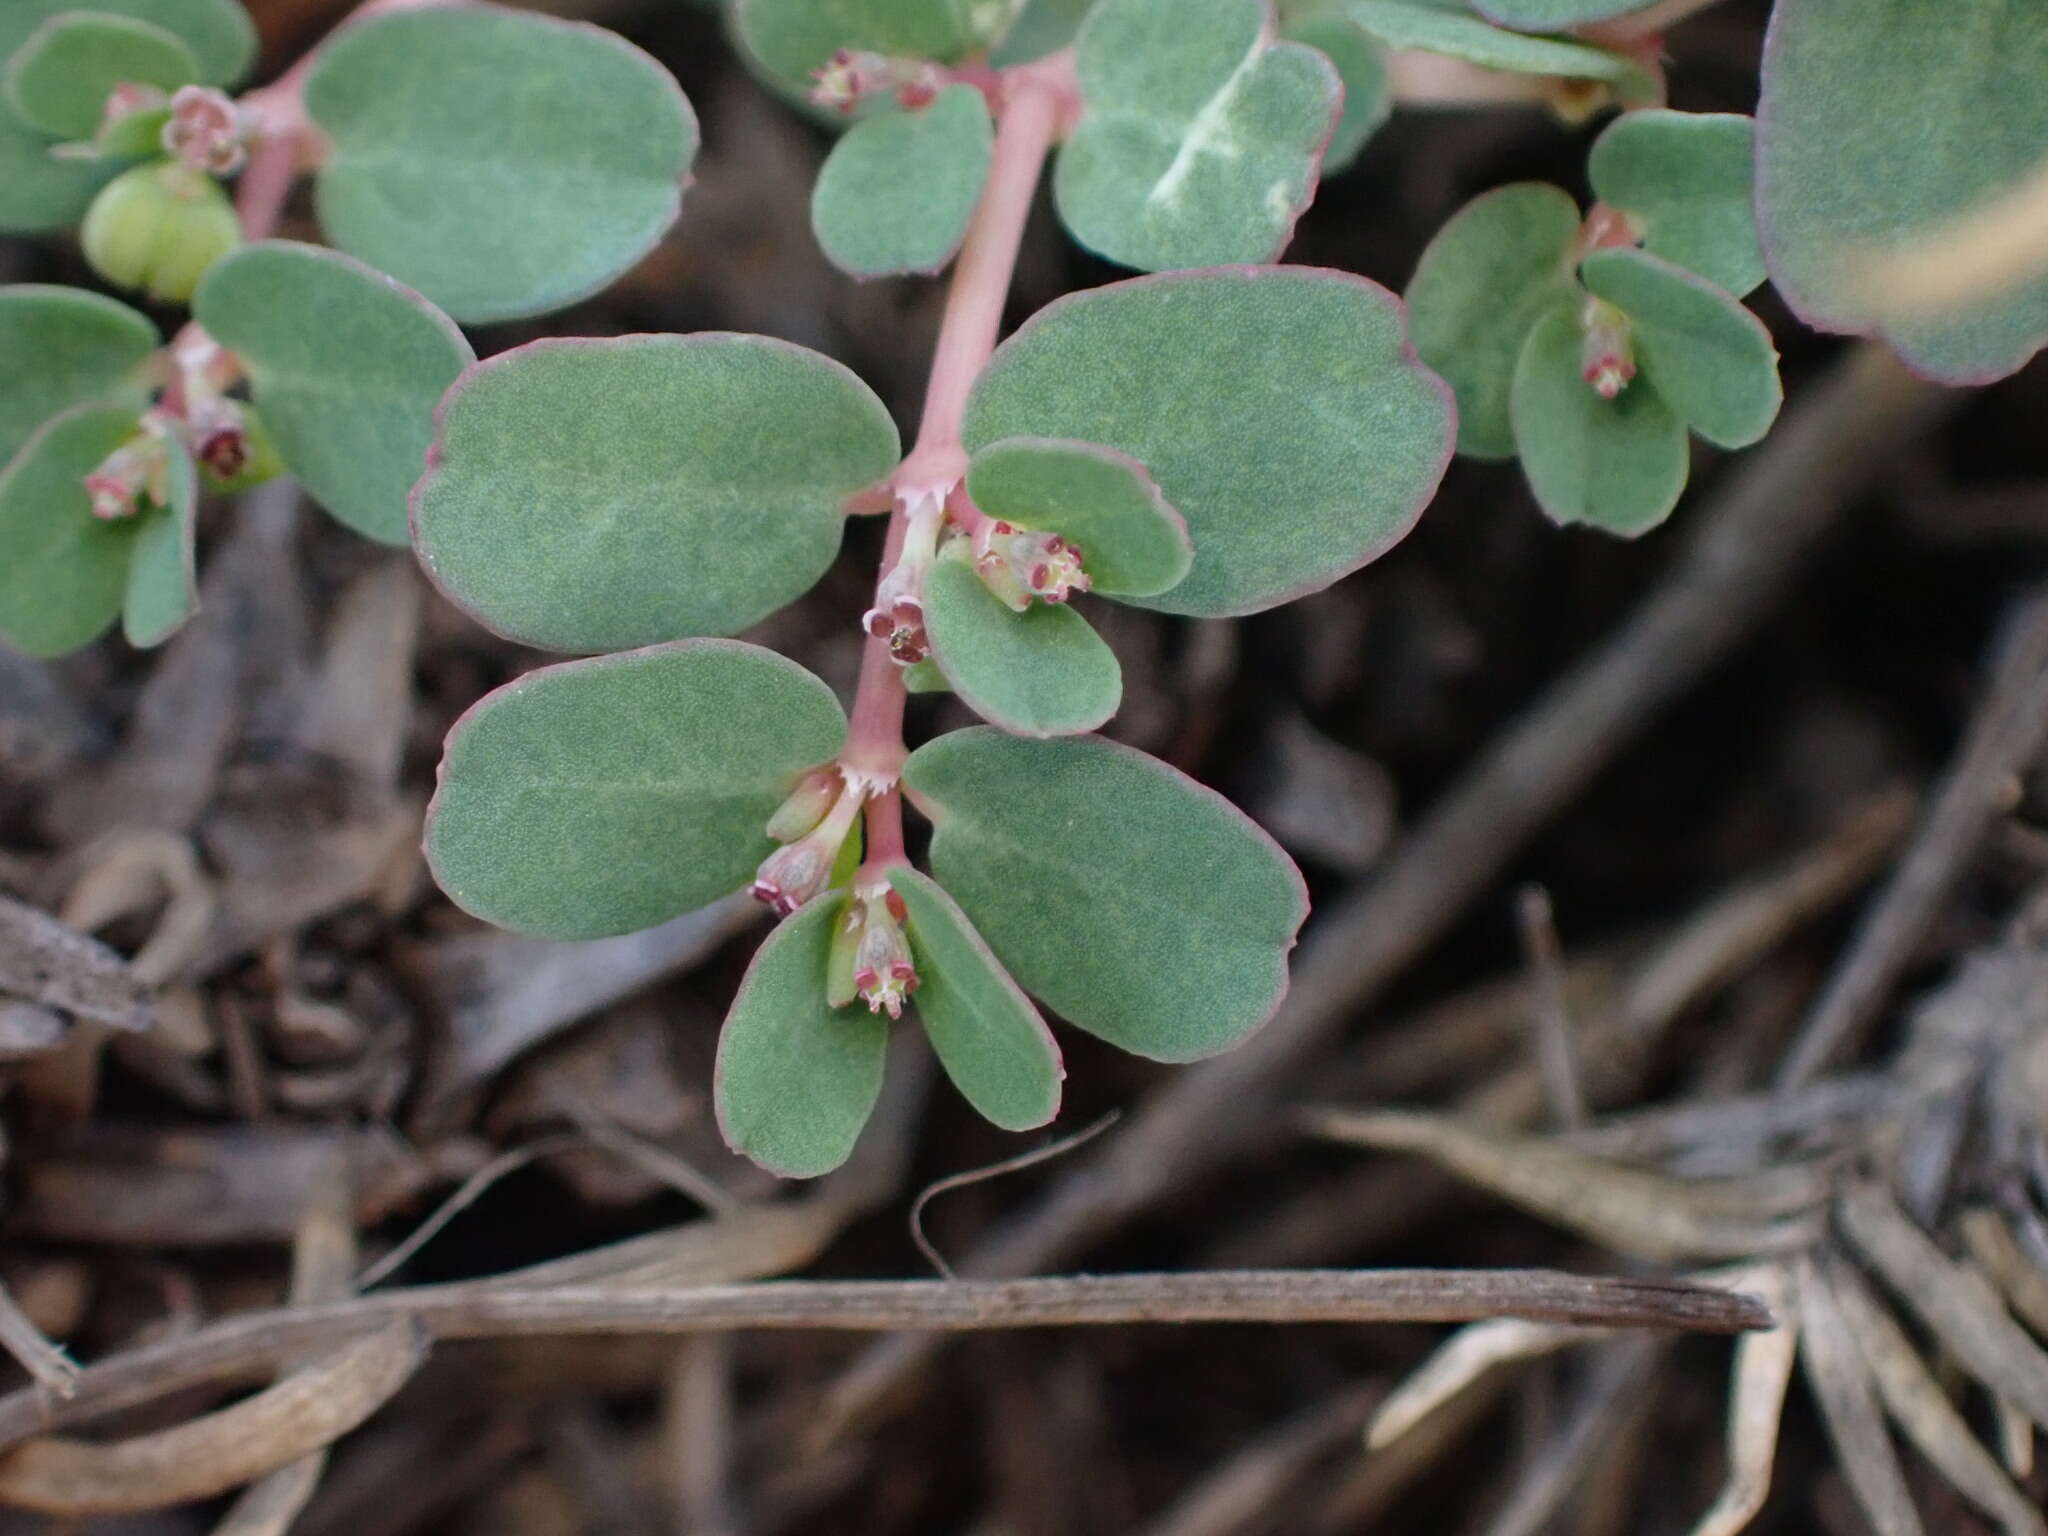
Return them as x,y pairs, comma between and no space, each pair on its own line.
159,227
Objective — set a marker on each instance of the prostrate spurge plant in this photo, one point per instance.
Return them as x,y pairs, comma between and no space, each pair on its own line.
1211,440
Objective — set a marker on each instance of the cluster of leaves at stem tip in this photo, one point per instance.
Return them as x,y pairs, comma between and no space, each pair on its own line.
1214,437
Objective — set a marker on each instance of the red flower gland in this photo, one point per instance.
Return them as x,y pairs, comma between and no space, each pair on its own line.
218,435
1607,357
205,131
1018,564
854,75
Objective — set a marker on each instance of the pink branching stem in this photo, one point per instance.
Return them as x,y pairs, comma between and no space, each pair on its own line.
266,181
1037,102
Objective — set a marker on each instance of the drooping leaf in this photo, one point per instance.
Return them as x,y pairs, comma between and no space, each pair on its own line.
1433,26
1042,672
1499,264
1139,905
1549,15
61,347
1132,543
600,797
1361,64
59,80
596,495
797,1078
1281,411
1199,137
1883,122
1710,358
1688,179
39,192
1042,27
1618,464
346,366
502,163
988,1037
162,590
62,570
898,190
793,38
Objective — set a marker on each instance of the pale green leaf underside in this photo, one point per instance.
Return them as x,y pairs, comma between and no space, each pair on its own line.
162,590
1689,179
1881,123
1042,672
898,190
1451,30
1042,27
61,347
503,164
40,193
925,677
988,1037
1361,64
601,797
596,495
1618,464
347,367
1502,260
1132,543
59,80
1199,138
796,1078
794,38
1280,410
63,571
1139,905
1710,358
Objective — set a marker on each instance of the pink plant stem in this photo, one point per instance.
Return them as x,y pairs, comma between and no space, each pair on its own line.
267,181
1036,99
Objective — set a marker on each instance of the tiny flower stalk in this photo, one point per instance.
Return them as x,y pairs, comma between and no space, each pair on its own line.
802,868
898,614
137,471
1607,357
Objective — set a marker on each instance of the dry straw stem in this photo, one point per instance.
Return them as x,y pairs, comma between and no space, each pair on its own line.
252,1345
1749,544
1848,1404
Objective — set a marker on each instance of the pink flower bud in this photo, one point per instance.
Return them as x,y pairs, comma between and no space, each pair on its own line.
806,806
852,76
1607,357
794,874
137,471
884,975
218,435
205,131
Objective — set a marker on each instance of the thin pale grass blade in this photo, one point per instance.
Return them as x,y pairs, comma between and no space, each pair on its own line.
1756,1403
1923,1412
1461,1360
1958,1305
1848,1408
1998,1253
1642,1214
305,1412
53,1370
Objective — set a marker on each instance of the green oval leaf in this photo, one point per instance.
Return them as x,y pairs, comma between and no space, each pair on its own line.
796,1078
39,192
1199,138
1688,179
596,495
1361,64
162,590
1139,905
1132,543
1281,410
898,190
1549,15
794,38
1711,359
346,365
1881,123
63,571
1482,283
605,796
988,1037
1042,27
1618,464
61,347
1042,672
1446,27
59,80
503,164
